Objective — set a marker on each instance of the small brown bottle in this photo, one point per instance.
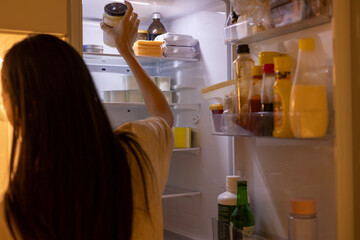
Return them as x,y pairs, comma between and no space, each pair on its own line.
156,27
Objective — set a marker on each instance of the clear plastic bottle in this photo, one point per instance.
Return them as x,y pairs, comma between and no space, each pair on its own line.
156,27
226,206
308,103
113,13
242,67
302,219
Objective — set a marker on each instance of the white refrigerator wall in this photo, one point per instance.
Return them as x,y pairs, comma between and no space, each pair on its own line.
281,169
206,171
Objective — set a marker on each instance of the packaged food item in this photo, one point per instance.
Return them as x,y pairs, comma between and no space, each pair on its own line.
163,82
182,137
134,96
118,96
282,90
302,219
113,13
226,206
142,35
217,110
148,48
308,102
254,102
242,67
292,12
156,27
92,48
130,83
255,12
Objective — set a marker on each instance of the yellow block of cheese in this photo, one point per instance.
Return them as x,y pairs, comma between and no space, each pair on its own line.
182,137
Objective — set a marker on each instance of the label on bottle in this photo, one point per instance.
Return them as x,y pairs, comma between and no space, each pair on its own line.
248,231
278,110
224,214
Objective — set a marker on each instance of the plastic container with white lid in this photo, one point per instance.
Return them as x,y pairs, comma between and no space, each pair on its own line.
113,13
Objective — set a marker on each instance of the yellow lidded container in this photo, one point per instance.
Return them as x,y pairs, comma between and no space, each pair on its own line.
267,57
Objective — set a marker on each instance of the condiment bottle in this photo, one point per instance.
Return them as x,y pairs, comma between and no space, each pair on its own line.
113,13
242,67
308,103
217,111
242,218
254,101
156,27
226,206
266,59
282,90
302,219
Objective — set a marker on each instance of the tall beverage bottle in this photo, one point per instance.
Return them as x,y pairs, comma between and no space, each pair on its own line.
156,27
242,67
226,206
242,217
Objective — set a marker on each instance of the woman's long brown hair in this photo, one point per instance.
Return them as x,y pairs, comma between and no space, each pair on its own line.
71,178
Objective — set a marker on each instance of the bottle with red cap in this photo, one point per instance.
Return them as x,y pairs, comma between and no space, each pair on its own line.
266,59
303,219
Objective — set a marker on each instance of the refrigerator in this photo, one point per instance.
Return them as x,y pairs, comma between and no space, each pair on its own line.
326,169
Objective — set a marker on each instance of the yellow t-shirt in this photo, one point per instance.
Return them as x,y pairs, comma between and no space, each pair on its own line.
155,137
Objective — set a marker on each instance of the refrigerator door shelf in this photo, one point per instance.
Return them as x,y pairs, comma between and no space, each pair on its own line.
234,35
174,192
226,125
235,231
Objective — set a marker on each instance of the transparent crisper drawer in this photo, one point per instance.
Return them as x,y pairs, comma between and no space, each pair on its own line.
310,125
222,231
279,20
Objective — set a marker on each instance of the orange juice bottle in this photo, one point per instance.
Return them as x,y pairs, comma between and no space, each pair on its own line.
308,103
282,90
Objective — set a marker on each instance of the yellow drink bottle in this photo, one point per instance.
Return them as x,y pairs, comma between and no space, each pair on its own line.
308,103
282,90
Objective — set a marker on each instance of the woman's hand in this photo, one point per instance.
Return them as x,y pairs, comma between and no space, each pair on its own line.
125,33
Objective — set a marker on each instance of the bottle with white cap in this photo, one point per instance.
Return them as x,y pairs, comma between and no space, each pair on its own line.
303,219
226,206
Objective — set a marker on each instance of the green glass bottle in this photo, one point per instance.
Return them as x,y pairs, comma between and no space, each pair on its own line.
242,217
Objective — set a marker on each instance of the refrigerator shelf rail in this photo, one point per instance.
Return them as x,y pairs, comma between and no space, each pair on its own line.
226,125
174,192
189,150
216,225
100,62
174,106
235,35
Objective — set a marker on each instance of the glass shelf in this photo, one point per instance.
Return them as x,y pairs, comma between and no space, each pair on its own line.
195,150
176,106
225,125
115,62
235,35
174,192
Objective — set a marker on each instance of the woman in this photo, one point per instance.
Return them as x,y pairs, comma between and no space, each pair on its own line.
71,176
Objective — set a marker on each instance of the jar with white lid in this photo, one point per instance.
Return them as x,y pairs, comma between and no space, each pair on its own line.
113,13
